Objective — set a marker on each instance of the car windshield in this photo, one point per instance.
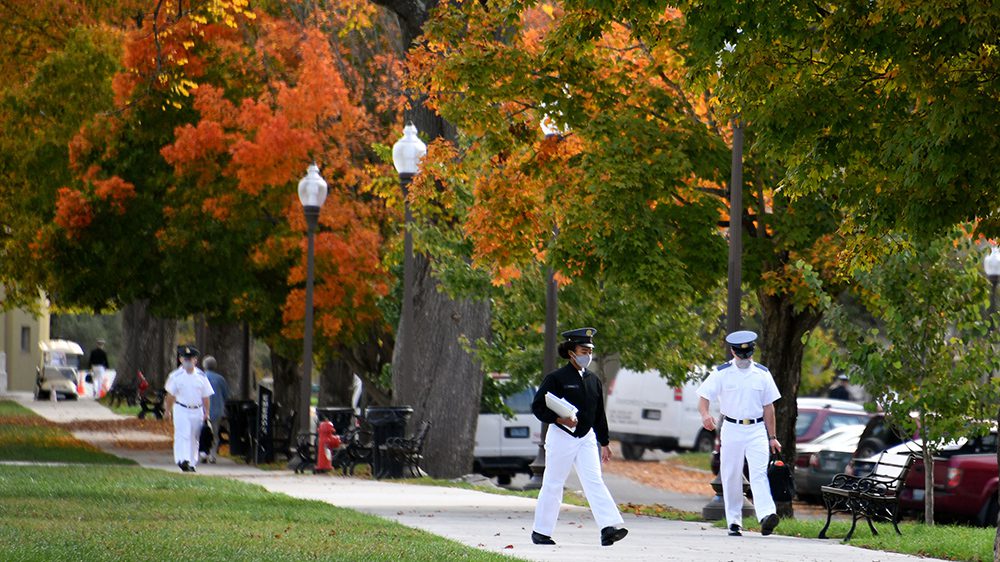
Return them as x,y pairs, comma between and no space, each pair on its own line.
520,402
844,432
802,422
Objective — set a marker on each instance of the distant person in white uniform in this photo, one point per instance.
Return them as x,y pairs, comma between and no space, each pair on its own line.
187,402
573,442
98,361
746,393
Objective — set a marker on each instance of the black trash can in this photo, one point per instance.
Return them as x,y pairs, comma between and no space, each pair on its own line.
341,417
388,421
241,415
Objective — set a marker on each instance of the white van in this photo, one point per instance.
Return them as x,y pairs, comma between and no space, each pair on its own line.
645,412
506,446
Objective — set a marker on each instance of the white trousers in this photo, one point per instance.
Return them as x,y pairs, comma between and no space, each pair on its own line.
187,430
97,375
563,451
749,442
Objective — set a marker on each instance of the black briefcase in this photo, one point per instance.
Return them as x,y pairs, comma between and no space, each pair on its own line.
205,439
780,478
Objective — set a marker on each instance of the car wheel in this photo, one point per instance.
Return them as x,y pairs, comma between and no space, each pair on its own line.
869,448
705,442
503,479
991,512
632,452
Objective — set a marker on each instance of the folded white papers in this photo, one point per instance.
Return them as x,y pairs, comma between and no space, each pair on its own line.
560,406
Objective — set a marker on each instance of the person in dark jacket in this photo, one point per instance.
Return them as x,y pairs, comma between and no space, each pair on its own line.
580,441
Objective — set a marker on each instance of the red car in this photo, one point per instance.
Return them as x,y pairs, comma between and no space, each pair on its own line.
965,483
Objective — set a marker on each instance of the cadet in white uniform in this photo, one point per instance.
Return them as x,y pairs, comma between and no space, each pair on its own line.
574,442
746,393
187,402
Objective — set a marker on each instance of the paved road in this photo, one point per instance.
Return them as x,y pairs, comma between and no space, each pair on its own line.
493,522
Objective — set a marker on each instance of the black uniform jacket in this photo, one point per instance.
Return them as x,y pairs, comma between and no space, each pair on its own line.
587,394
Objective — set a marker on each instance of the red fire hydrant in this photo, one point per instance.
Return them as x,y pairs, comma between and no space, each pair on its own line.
326,441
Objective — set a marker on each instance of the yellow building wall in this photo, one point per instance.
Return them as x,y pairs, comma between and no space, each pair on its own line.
20,332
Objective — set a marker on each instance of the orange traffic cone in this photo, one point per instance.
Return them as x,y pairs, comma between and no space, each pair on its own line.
80,390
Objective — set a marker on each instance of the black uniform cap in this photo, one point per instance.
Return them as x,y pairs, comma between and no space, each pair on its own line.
187,351
580,336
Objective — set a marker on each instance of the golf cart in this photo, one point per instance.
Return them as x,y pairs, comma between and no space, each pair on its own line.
58,371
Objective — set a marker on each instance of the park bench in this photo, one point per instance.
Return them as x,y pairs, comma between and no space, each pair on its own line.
122,392
151,404
873,497
406,452
357,447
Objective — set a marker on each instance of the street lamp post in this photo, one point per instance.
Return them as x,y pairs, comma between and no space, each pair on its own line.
735,235
312,195
406,155
551,130
992,266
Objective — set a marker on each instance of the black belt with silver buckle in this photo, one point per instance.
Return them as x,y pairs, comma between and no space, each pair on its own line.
189,407
743,422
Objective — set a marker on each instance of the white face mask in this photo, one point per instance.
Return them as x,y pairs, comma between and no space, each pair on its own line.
582,360
188,364
743,363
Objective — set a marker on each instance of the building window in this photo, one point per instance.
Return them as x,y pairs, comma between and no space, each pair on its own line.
26,339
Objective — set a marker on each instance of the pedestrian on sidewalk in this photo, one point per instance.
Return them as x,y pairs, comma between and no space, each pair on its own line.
746,393
217,403
187,402
574,441
98,362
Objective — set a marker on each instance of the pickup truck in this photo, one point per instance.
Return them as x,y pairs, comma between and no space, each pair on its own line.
965,483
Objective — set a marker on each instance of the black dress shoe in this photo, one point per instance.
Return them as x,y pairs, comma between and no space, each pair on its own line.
611,535
186,466
768,524
539,538
734,530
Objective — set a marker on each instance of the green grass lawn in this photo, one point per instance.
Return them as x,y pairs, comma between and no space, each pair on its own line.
114,512
952,542
25,436
702,461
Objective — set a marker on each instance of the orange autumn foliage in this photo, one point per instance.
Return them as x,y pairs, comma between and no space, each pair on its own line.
247,151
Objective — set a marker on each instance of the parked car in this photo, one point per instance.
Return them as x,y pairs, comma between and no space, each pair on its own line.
645,412
880,435
58,372
817,416
863,466
965,482
817,461
507,446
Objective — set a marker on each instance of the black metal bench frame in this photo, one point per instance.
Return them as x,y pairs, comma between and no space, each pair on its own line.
874,497
407,451
357,447
149,405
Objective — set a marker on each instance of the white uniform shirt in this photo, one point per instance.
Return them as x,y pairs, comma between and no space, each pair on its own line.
741,393
189,388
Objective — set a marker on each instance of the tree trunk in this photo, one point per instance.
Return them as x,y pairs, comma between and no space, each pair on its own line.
149,344
782,349
996,540
336,383
928,486
367,359
436,376
286,383
439,379
224,341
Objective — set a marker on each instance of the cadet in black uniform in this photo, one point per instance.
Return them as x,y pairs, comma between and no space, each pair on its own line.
574,442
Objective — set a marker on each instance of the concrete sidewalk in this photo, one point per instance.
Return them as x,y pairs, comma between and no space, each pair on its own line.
492,522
